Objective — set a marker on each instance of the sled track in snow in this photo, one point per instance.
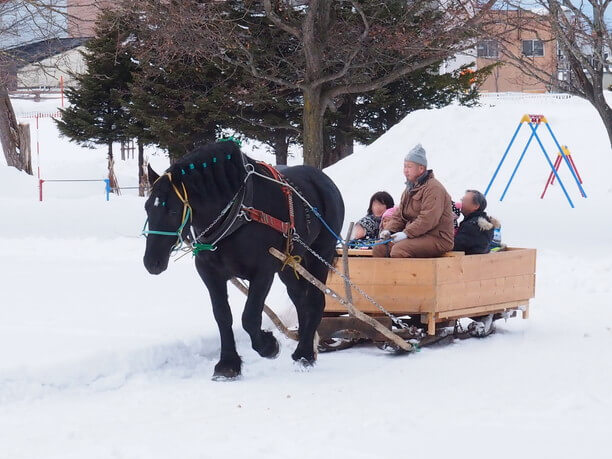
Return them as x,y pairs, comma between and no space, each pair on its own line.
111,370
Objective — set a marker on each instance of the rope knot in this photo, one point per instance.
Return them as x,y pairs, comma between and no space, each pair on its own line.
292,261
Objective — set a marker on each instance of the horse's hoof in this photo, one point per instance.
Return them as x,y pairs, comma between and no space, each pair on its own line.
303,364
271,348
226,371
222,378
275,351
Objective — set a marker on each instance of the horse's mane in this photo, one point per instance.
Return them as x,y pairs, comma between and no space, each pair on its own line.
215,170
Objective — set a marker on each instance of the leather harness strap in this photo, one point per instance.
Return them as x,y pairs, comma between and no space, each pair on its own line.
266,219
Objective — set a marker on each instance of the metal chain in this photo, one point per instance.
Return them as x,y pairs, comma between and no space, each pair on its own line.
224,211
393,318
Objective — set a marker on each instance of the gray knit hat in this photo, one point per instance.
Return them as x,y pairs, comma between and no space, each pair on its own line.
417,155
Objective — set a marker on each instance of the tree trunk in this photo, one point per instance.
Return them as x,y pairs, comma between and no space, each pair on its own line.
9,130
606,115
25,156
313,128
142,177
281,147
343,145
605,112
114,185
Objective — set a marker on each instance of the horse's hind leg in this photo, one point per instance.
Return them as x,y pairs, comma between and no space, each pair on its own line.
229,365
263,342
309,302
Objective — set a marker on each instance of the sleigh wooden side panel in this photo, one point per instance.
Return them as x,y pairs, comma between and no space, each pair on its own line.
441,288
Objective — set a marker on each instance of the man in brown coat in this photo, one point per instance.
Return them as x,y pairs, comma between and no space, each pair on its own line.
422,226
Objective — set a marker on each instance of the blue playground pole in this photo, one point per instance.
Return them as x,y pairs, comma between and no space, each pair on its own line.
552,167
566,161
533,133
503,158
108,189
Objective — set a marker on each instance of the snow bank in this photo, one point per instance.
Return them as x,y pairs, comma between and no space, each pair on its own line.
99,359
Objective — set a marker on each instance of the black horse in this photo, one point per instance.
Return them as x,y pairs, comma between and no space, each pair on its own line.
235,209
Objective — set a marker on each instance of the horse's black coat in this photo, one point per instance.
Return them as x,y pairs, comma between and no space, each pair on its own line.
211,184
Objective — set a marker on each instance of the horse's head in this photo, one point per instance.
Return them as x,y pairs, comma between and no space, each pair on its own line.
204,181
168,219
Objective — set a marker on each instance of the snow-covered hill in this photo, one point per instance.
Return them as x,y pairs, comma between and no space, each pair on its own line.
99,359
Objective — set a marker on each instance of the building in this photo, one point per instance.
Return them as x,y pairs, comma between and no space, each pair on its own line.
517,34
39,43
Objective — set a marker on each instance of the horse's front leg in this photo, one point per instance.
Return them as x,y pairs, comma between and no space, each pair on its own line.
230,364
263,342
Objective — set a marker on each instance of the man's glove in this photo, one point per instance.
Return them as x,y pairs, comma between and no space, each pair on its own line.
385,234
400,236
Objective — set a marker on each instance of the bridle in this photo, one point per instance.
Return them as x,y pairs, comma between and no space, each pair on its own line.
186,218
239,214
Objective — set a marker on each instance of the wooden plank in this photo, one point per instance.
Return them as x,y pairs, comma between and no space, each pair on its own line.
401,299
479,310
368,253
391,271
356,252
431,323
345,265
486,291
487,266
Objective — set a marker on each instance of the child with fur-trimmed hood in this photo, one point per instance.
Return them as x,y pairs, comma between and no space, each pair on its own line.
476,230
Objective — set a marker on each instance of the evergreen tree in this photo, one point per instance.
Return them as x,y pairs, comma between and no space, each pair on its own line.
264,112
178,105
97,113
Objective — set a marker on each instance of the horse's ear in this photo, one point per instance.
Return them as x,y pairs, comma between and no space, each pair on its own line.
153,176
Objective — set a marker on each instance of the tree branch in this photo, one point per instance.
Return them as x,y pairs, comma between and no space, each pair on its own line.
278,22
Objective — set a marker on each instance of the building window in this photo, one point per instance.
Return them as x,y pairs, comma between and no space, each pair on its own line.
487,48
533,48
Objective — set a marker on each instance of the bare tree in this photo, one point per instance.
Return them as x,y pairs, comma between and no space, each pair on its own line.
21,22
326,48
578,33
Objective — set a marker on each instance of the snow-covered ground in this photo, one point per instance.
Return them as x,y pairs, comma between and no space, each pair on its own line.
99,359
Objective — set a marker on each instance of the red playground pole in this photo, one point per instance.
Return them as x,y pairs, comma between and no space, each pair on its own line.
574,166
558,162
551,177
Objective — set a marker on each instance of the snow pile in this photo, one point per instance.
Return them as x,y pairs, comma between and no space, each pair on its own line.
99,359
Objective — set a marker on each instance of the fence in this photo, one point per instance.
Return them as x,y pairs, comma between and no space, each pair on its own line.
107,187
524,95
36,115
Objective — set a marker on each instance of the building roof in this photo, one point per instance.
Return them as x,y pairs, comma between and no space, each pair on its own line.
35,52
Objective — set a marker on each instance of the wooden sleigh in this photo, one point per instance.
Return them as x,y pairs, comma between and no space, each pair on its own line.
439,291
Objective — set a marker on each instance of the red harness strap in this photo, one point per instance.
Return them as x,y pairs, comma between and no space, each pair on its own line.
266,219
273,222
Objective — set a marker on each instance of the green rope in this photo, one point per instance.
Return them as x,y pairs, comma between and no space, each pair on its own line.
197,248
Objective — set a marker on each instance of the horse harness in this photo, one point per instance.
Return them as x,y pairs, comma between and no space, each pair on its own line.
234,215
286,228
